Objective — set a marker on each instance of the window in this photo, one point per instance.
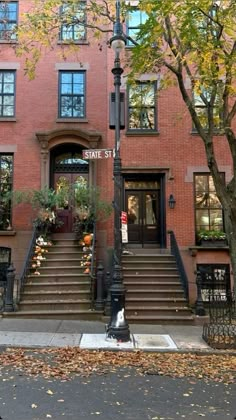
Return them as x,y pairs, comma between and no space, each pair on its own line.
74,17
135,19
71,94
208,211
6,175
8,19
201,101
7,93
142,106
215,280
207,24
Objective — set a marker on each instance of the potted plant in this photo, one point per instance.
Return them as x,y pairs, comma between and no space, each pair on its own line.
44,202
88,209
212,238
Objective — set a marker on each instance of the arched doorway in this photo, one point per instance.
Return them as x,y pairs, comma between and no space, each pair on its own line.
61,160
67,168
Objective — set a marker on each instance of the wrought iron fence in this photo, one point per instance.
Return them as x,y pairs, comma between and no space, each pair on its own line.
5,259
220,331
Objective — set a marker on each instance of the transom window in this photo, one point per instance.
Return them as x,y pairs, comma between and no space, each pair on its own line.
208,210
142,106
135,18
8,19
6,176
72,94
74,17
7,93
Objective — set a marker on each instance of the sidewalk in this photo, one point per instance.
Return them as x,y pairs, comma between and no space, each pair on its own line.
91,335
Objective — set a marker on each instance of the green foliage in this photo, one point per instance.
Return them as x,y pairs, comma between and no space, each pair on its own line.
46,198
211,235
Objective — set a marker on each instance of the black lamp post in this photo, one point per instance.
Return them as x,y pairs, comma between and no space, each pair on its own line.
118,327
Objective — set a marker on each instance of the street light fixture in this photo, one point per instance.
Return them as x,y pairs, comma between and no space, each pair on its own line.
118,327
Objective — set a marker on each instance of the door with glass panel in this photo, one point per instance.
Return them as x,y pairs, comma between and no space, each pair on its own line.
66,210
143,216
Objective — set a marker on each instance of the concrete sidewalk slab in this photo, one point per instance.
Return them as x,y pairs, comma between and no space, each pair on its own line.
154,342
100,341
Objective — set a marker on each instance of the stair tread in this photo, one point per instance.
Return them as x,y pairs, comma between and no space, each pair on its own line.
157,308
57,275
57,283
54,301
58,311
56,292
153,275
161,317
149,283
154,299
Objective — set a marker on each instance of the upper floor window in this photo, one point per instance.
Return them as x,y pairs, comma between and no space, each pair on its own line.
71,94
74,19
7,93
206,23
142,106
202,105
208,209
135,18
8,19
6,175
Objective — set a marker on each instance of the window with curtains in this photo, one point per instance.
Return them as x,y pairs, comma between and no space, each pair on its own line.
208,209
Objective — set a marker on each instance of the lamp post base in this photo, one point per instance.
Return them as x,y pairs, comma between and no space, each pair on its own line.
118,327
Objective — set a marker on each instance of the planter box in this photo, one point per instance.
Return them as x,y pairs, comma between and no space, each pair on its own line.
213,243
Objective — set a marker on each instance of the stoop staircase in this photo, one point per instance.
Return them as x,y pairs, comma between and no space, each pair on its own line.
62,290
154,293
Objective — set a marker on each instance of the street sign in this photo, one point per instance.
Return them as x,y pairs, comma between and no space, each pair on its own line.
98,153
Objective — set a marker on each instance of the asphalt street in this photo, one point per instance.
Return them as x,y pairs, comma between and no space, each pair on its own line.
124,394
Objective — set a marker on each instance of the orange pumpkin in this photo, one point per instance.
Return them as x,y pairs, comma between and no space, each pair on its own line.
87,240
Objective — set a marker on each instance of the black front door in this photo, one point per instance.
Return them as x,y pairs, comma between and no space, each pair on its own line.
143,216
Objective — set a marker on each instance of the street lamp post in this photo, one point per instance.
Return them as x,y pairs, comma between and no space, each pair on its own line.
118,327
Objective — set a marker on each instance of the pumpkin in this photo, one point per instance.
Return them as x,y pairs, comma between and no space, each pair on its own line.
87,240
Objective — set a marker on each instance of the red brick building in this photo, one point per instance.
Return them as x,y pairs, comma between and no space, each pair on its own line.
65,110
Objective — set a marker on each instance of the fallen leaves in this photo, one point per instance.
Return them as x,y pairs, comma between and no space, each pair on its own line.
75,361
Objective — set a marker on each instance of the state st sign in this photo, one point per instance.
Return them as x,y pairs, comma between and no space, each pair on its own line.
97,153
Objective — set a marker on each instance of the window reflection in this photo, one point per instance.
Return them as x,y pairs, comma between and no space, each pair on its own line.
133,209
208,209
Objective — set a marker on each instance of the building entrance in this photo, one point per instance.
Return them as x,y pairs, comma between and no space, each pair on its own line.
145,210
68,170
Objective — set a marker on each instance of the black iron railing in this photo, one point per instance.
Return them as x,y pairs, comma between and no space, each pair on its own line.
93,268
220,331
27,263
180,265
5,260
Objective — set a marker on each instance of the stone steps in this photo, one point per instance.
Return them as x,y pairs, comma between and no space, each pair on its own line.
154,293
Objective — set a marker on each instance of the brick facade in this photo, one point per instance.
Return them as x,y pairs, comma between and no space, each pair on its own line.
174,151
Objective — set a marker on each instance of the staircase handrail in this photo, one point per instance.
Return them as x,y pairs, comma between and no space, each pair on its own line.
92,268
26,265
179,261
